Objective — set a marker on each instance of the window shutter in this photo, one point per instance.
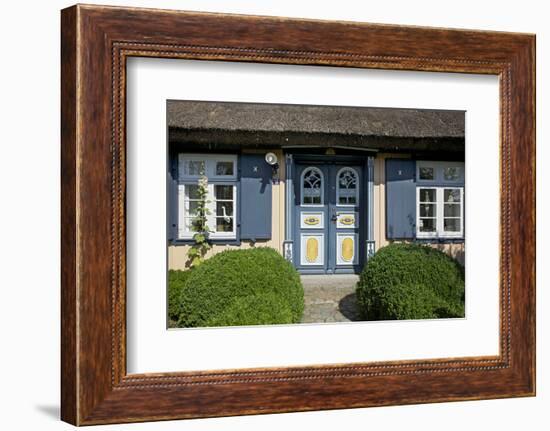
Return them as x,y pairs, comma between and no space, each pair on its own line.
400,199
172,196
255,197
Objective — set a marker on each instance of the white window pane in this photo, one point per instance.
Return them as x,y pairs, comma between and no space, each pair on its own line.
347,192
347,187
312,199
190,224
452,210
451,225
223,192
451,173
312,185
347,179
224,209
191,208
194,167
427,225
224,224
312,179
347,200
427,210
426,173
427,195
312,192
451,195
224,168
191,191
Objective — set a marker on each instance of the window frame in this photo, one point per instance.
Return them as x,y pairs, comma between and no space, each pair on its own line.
357,193
213,180
322,203
183,215
419,233
439,172
440,232
210,161
213,215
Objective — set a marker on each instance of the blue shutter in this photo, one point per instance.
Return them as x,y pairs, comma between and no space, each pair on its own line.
400,199
172,196
255,197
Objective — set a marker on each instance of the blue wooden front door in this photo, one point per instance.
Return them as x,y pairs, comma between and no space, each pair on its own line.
327,217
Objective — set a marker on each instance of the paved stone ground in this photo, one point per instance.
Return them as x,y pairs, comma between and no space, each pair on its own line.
330,298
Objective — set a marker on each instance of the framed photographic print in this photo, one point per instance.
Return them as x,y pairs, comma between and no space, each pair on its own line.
267,215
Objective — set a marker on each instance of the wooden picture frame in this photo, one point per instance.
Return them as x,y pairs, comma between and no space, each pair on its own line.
95,43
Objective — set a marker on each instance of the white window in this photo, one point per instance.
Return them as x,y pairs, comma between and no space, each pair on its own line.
214,166
312,187
440,212
426,173
435,172
221,171
427,211
347,187
223,209
439,199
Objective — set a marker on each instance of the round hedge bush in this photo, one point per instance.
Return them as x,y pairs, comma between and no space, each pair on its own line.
411,281
255,286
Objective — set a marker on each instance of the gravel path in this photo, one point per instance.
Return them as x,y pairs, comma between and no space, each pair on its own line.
330,298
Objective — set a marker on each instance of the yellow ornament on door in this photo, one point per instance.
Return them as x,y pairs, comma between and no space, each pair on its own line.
312,250
347,249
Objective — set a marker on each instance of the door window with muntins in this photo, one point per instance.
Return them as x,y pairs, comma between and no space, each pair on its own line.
347,192
312,187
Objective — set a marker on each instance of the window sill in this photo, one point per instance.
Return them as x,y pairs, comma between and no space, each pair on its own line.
440,240
214,241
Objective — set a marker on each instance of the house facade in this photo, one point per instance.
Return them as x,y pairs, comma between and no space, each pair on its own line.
326,186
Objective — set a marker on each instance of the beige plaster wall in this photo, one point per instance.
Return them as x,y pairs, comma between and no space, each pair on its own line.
177,254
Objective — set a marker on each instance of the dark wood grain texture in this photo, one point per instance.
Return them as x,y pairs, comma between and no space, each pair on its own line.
69,398
96,41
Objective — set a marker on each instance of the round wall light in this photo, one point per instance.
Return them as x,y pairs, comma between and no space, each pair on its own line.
271,159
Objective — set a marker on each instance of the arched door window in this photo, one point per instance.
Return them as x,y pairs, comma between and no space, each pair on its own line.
312,187
347,187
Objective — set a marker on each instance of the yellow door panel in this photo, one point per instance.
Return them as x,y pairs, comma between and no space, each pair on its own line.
347,249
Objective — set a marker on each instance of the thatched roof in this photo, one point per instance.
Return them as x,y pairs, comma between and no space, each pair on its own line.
226,124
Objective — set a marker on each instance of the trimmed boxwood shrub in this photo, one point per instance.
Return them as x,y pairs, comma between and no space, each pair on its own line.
411,281
255,286
176,280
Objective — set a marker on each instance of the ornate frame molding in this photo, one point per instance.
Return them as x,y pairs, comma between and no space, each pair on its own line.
96,42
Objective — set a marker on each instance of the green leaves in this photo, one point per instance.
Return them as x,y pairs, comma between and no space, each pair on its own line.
411,281
193,252
198,250
199,237
240,287
176,281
